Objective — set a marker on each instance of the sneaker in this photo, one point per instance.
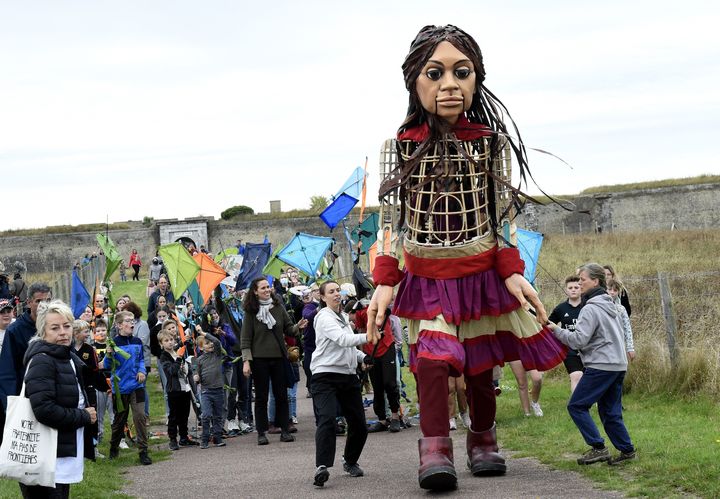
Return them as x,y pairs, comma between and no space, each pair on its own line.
394,426
232,425
321,476
263,439
377,427
286,437
535,406
114,453
123,444
205,444
274,430
453,424
234,433
594,455
98,454
144,458
186,442
294,420
219,442
622,457
465,418
353,469
245,428
173,445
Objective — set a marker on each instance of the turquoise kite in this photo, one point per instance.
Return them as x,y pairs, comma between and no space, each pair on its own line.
305,252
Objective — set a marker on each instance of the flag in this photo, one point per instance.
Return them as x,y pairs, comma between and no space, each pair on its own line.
79,296
256,257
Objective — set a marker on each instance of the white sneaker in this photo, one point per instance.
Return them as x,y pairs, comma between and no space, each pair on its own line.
465,417
98,454
244,427
293,420
123,444
232,424
453,424
536,409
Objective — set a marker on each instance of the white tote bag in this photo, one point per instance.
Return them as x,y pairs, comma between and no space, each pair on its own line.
29,449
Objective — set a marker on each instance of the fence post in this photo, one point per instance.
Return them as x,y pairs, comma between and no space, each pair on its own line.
669,316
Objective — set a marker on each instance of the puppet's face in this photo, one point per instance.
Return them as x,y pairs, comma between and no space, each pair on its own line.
446,83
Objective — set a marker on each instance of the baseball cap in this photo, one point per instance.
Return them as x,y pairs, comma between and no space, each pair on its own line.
5,303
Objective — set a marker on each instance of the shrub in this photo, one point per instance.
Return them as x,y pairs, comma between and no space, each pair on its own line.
236,210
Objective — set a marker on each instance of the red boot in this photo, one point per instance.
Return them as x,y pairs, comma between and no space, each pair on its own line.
437,471
483,456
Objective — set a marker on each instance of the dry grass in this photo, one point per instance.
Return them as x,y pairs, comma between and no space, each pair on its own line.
65,229
670,182
687,257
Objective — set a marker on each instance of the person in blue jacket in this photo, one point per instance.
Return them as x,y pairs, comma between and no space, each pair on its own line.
131,385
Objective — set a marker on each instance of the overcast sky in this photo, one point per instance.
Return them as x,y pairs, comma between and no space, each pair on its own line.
183,108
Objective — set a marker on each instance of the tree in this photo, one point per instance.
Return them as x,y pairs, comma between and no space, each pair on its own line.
236,210
318,203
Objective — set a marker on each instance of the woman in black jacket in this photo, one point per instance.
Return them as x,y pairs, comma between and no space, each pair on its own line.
55,387
263,349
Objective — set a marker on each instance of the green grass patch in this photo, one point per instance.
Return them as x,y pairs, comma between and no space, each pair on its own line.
137,291
677,441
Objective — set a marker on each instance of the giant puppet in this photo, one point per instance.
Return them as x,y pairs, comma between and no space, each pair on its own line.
447,202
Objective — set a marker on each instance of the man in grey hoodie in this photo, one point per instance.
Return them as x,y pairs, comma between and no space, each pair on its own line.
598,338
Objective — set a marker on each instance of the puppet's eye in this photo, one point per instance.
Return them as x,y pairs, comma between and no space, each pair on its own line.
463,73
433,74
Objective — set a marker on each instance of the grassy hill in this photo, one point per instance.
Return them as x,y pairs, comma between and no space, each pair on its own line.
690,260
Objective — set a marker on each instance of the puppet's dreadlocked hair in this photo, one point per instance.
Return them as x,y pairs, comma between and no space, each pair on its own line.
485,108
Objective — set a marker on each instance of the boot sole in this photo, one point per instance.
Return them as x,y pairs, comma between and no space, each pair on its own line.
487,469
321,478
593,461
441,478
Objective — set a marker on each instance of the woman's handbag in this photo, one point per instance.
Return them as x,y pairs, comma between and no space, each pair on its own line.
29,448
288,371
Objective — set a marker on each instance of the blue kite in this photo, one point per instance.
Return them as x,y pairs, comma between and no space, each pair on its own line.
345,199
529,244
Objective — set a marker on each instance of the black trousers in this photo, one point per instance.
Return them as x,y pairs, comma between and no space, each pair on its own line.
263,371
60,491
179,405
330,390
136,272
383,377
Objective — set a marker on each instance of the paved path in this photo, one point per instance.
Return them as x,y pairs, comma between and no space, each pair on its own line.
243,469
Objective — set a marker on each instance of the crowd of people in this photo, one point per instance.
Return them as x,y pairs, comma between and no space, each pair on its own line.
235,354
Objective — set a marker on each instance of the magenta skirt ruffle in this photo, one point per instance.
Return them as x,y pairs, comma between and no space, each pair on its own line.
458,300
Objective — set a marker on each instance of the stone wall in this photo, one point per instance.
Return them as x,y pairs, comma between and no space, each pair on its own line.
58,252
683,207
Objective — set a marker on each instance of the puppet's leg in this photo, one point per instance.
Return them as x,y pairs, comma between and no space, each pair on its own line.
482,448
439,355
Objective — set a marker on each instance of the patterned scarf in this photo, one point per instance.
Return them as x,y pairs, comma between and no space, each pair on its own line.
264,314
